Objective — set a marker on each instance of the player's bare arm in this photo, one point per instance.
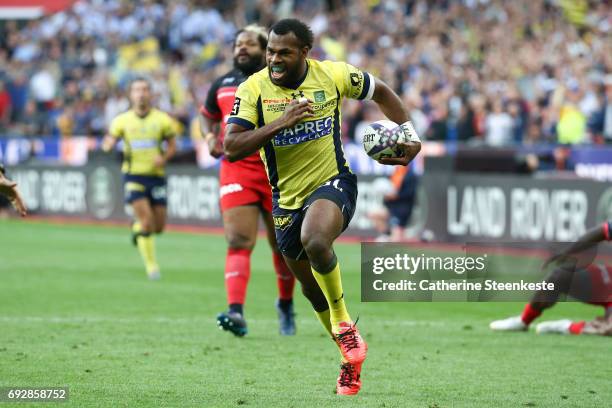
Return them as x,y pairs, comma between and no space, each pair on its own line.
8,188
109,143
584,242
210,130
240,142
168,154
392,107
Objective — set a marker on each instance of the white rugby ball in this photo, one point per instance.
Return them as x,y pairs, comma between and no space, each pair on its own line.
380,139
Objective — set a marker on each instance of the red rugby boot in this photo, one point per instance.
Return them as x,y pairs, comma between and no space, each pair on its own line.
351,344
349,380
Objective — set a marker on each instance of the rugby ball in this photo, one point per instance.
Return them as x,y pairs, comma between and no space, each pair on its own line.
380,139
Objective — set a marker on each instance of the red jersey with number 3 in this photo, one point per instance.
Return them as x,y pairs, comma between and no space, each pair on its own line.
244,181
220,102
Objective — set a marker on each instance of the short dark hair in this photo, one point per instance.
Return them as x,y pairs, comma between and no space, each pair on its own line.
292,25
139,78
262,35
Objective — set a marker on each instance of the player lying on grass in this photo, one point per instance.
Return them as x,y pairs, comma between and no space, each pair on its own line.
245,193
8,189
144,130
577,277
291,111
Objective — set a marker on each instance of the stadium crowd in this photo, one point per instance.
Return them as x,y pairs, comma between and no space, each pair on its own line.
481,71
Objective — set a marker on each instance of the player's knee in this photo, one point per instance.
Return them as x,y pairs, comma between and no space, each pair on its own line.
240,241
315,245
147,226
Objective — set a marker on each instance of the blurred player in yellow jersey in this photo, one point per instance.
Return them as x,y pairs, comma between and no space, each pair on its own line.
148,137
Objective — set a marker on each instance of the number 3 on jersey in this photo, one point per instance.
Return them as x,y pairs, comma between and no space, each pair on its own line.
236,107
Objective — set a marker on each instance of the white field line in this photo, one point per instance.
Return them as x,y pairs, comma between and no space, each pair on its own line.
195,320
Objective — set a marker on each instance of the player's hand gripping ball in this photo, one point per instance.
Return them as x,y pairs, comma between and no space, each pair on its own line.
380,139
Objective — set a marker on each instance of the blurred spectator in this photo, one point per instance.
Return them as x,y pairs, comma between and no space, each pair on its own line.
114,105
571,125
65,122
5,107
466,123
607,108
17,88
517,119
600,123
498,126
478,106
399,199
439,121
43,88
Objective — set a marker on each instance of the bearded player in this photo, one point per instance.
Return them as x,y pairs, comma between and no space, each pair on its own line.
291,111
245,192
577,277
148,136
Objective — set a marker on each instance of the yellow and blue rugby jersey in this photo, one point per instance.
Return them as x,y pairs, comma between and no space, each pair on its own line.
142,139
299,159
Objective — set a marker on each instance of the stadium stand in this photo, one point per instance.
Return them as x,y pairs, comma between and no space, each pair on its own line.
453,62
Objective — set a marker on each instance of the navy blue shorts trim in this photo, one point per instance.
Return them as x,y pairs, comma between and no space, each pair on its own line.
341,189
152,188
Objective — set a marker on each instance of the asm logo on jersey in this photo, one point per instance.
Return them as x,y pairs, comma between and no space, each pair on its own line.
304,132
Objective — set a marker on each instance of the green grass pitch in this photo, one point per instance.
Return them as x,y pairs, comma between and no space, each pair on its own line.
77,311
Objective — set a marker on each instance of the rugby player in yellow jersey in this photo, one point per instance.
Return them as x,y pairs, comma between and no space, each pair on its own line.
144,131
291,111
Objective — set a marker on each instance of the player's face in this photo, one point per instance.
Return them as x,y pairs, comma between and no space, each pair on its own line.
285,58
140,94
248,55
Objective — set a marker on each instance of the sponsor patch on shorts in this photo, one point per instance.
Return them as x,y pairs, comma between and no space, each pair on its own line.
281,222
230,188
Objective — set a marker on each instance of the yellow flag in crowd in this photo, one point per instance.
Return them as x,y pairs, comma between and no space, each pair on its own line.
575,11
141,56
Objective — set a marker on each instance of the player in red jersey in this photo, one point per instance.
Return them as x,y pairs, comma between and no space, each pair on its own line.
244,190
577,277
